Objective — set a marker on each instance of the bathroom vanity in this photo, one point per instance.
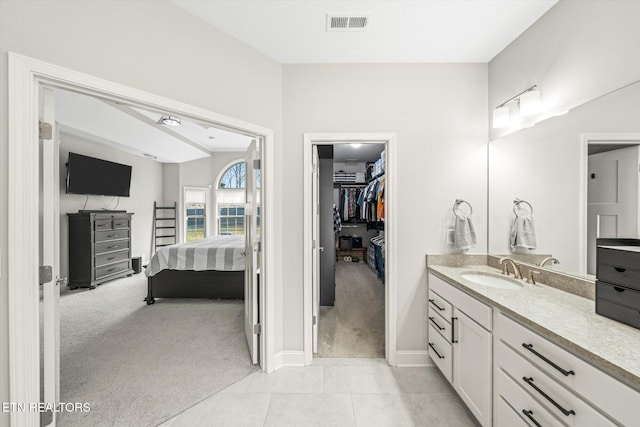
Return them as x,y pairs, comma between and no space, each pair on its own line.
523,354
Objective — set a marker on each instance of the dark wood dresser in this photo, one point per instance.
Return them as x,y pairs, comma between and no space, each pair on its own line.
99,247
618,280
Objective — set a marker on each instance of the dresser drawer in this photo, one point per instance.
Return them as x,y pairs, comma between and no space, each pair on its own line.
603,391
620,276
102,224
101,248
440,305
618,294
110,258
111,216
441,353
440,324
111,269
120,223
526,406
101,236
618,258
559,401
619,312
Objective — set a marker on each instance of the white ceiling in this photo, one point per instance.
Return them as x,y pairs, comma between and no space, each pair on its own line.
363,153
135,130
294,31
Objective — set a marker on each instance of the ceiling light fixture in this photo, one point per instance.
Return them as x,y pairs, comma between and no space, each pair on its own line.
169,121
356,145
528,104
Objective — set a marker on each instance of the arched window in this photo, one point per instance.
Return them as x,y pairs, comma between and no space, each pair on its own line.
230,199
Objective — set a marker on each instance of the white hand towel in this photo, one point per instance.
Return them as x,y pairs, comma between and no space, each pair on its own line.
523,233
464,234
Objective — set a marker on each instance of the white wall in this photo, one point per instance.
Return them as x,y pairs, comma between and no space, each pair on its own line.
439,114
146,187
149,45
577,51
542,165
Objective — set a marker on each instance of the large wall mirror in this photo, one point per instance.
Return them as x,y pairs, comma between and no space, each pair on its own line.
579,173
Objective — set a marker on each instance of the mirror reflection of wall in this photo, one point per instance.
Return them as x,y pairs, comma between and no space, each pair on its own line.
547,165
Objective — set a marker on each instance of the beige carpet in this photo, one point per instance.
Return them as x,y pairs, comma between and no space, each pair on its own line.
354,326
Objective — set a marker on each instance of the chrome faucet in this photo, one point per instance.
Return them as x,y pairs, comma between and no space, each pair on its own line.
505,267
549,259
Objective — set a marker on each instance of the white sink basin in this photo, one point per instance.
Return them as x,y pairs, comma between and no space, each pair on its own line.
491,280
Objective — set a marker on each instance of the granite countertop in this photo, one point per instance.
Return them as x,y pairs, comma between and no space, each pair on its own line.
564,318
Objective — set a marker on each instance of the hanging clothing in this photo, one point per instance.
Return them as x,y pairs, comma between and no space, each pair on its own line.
337,222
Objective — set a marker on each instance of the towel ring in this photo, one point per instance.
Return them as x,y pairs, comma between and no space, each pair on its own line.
517,202
457,203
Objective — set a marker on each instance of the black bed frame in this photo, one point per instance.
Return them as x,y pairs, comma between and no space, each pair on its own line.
195,284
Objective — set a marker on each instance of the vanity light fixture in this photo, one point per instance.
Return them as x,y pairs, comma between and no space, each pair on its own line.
169,121
528,104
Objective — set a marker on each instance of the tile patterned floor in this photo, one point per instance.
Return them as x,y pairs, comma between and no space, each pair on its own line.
333,392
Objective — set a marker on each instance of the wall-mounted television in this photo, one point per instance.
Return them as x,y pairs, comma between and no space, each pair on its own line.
88,175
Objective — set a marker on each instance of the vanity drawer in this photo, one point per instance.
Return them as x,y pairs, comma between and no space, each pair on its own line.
440,351
101,236
603,391
511,394
102,225
619,312
110,258
104,247
617,294
440,324
559,401
620,275
506,416
112,269
470,306
440,305
618,258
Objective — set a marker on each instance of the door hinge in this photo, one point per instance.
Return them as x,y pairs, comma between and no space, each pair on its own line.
315,320
45,274
257,328
256,164
313,244
257,246
45,130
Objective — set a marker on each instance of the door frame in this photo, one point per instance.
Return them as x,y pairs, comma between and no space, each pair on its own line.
585,140
25,74
389,139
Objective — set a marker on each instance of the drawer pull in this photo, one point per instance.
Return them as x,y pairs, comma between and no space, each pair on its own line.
436,351
619,289
110,258
113,247
620,269
563,371
529,414
453,329
546,396
111,269
432,320
111,235
436,305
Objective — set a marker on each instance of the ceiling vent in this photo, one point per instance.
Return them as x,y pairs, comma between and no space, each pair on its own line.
337,22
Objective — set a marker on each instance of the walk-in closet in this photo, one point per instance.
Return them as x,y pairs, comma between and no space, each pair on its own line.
351,220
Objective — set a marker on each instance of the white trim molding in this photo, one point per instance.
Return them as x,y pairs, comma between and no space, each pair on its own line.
413,358
585,140
389,139
289,358
24,77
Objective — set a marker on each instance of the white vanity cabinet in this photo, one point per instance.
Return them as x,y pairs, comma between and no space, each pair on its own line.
462,347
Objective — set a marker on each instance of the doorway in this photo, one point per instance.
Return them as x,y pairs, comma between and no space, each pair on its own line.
318,248
25,76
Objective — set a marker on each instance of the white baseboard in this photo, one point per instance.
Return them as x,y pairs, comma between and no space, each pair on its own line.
411,358
288,358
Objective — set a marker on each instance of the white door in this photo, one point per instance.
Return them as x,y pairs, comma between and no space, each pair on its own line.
315,212
612,198
50,256
472,363
252,248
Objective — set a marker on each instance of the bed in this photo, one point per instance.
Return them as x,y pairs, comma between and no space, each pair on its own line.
207,268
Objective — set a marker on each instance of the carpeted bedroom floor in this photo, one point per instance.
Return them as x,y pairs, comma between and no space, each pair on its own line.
139,365
354,326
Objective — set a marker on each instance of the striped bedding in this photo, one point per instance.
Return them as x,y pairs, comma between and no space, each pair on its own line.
222,253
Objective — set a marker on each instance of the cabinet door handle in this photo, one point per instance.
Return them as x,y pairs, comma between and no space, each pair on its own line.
549,398
432,320
436,351
620,269
529,414
563,371
436,305
453,329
